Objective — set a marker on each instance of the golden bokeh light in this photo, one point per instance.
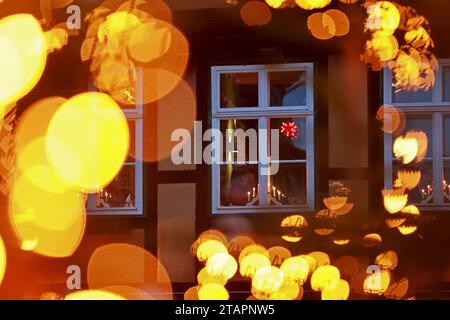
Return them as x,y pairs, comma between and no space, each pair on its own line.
213,291
410,179
393,201
411,210
397,290
406,148
340,292
312,263
407,230
321,26
287,291
321,258
393,119
191,293
295,269
422,142
292,228
377,282
255,13
341,242
394,222
341,21
278,255
209,248
2,260
203,277
267,281
56,38
23,56
222,264
312,4
325,278
237,244
251,263
387,260
335,203
276,4
93,295
88,140
372,240
383,16
121,264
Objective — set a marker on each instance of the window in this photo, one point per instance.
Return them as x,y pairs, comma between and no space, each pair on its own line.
273,105
124,195
427,111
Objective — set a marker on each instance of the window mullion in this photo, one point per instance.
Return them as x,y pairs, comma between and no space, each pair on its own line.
437,152
263,163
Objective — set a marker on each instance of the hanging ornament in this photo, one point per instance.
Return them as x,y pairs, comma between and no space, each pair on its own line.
289,129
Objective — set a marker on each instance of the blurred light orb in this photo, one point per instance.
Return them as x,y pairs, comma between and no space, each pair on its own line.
252,263
23,56
377,282
116,24
335,203
255,14
93,295
191,293
237,244
204,277
341,292
387,260
312,4
253,248
410,179
2,260
266,281
372,240
222,264
209,248
88,140
394,203
322,26
325,278
422,142
407,230
292,228
321,258
341,21
278,255
213,291
295,269
383,16
276,4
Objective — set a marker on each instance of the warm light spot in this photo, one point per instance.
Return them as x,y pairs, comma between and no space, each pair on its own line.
129,293
321,26
324,231
121,264
23,56
222,264
341,242
382,48
387,260
292,228
278,255
254,248
276,4
341,292
349,1
153,31
341,21
295,269
204,277
238,243
372,240
321,258
406,148
209,248
345,209
422,142
378,282
411,209
394,222
156,9
213,234
252,263
383,16
191,293
393,201
407,230
117,25
213,291
255,14
267,281
325,278
409,179
88,141
2,259
312,4
93,295
397,290
393,119
56,38
287,291
334,203
312,263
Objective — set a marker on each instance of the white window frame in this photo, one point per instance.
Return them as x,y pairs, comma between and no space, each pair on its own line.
136,115
263,113
437,108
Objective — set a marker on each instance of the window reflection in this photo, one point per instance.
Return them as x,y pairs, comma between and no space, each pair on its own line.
446,83
239,185
238,90
404,96
120,193
421,123
290,147
288,185
287,88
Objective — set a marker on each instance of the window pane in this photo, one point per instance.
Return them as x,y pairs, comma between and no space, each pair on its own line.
421,123
404,96
446,83
423,193
447,136
292,139
446,182
288,185
287,88
241,138
238,185
120,193
238,90
132,150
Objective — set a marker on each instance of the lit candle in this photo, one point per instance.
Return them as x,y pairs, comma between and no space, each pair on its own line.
248,196
274,190
279,195
254,192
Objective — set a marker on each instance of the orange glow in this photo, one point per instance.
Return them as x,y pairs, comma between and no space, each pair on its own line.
252,263
341,292
321,258
276,4
267,281
381,47
383,16
222,264
394,222
295,269
23,56
394,202
287,291
325,278
255,13
191,293
345,209
129,293
341,242
312,263
321,26
392,118
121,264
88,141
387,260
324,232
238,243
204,277
292,227
312,4
411,209
2,259
56,38
93,295
410,179
334,203
407,230
213,291
372,240
213,234
278,255
422,142
398,290
254,248
209,248
378,282
341,22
